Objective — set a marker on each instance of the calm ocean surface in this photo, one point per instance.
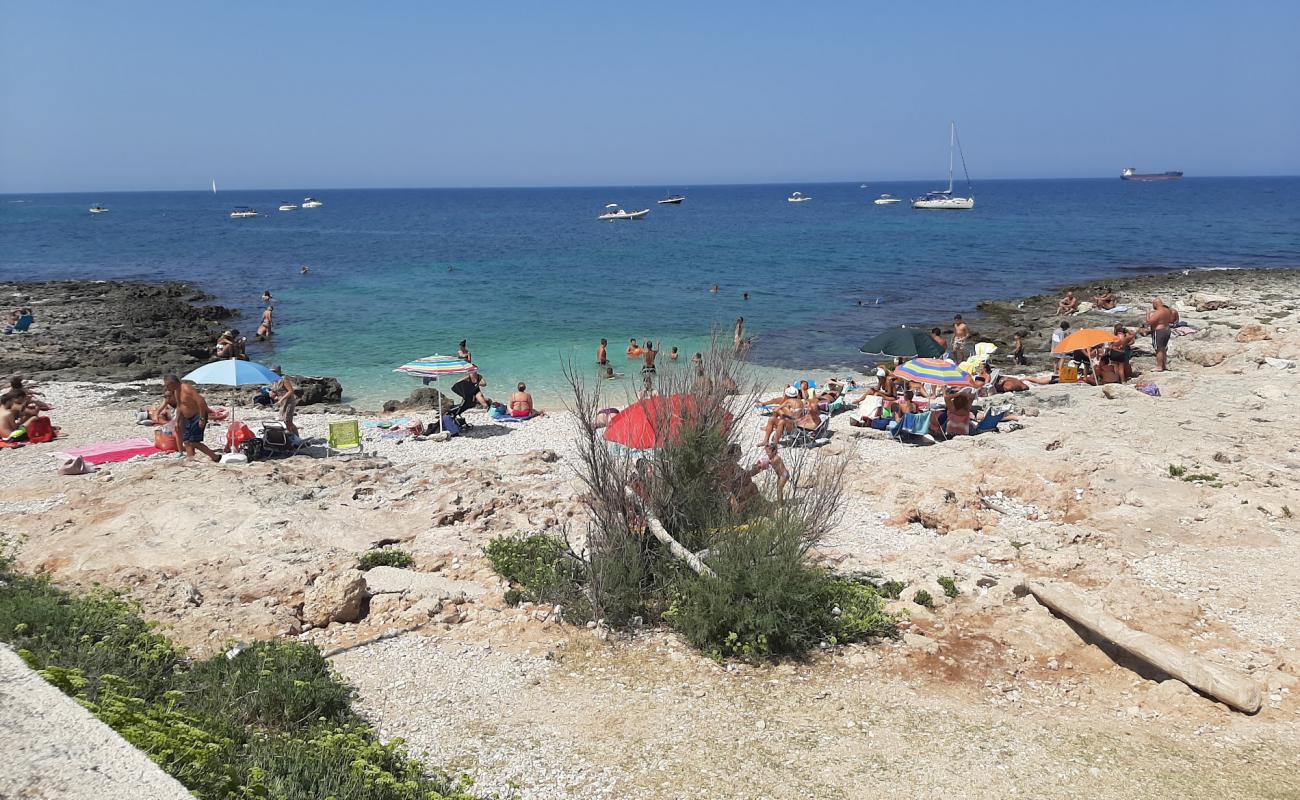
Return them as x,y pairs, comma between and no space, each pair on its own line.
537,279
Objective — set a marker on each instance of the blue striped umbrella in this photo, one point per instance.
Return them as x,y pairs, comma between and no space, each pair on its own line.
934,371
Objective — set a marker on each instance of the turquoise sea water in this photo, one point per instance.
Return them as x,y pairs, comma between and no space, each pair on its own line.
537,280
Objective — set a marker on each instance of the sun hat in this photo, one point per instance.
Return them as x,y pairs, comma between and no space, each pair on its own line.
790,391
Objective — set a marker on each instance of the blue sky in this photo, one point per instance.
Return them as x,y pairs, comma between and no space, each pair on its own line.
151,95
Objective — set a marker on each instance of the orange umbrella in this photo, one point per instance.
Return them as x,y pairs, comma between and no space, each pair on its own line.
1085,339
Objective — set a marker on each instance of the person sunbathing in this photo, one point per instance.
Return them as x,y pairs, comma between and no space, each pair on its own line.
13,415
992,381
17,386
1104,301
959,415
521,403
1068,305
790,410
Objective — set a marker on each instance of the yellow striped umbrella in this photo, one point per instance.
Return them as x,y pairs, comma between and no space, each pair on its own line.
934,371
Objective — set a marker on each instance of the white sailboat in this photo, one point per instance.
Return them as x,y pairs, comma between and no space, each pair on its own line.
214,185
943,199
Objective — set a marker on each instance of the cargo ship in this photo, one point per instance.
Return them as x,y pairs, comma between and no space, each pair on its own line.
1131,174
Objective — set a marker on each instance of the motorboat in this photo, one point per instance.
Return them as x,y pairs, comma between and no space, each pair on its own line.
886,200
672,200
797,197
311,202
288,207
241,212
613,213
943,199
98,209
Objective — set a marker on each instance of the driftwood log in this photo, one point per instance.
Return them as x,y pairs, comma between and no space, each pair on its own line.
1222,683
661,533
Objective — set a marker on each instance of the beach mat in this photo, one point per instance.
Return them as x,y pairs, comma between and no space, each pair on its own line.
112,452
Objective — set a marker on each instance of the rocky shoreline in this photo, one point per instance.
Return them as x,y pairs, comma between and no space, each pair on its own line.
110,330
998,321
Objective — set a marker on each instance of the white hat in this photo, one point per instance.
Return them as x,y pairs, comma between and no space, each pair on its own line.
790,391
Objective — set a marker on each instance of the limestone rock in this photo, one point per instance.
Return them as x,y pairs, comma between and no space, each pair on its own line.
337,597
923,643
1206,355
393,580
423,399
1205,301
1253,333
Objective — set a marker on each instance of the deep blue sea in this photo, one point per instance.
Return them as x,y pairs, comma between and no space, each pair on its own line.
536,279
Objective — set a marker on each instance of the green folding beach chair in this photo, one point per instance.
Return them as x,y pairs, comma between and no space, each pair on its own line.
344,436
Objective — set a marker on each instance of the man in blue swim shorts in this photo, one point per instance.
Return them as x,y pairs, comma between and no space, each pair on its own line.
191,417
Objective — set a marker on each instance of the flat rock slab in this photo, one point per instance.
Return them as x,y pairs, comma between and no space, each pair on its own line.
56,750
392,580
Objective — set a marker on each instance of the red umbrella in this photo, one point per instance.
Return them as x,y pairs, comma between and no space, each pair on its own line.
653,422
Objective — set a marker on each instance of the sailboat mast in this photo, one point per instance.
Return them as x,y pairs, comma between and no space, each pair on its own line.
952,140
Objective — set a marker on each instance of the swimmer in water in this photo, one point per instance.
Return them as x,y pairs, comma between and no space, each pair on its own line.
305,270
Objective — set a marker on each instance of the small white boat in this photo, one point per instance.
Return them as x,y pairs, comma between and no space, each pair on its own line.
311,202
886,200
242,212
797,197
863,186
672,200
613,213
288,207
98,209
943,199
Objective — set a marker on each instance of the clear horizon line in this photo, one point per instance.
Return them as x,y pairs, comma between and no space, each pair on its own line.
679,186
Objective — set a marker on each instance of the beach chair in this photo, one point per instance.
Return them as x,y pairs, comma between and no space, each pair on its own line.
344,436
914,429
276,439
989,423
802,437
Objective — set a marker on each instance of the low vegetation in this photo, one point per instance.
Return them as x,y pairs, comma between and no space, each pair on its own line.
269,721
949,586
384,557
758,594
923,598
1182,473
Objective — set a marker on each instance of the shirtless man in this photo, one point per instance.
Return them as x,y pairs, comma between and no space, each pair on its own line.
602,354
649,353
191,417
784,416
937,336
960,349
1106,300
1068,305
1159,322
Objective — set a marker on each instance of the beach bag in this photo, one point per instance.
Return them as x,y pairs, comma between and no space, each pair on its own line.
252,449
165,439
40,430
236,435
1069,374
450,425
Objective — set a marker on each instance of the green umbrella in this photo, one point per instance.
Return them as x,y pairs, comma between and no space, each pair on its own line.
903,342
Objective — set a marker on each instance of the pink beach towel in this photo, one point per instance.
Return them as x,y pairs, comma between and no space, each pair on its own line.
112,452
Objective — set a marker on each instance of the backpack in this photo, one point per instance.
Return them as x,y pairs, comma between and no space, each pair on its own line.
39,430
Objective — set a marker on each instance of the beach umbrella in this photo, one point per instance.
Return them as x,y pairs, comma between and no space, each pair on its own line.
654,422
232,372
903,342
1085,339
934,371
431,368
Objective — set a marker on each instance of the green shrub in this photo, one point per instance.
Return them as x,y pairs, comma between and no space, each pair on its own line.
385,557
892,589
544,571
862,612
275,685
949,586
273,721
923,598
767,601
